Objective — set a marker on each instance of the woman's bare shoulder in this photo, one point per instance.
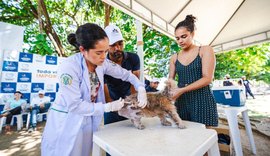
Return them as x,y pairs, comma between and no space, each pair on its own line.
206,49
174,57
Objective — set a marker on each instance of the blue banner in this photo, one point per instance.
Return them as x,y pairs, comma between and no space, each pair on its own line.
51,60
26,96
10,66
37,87
8,87
24,77
51,95
26,57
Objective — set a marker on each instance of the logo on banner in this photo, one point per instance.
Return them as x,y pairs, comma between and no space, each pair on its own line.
24,77
51,60
9,76
50,87
37,87
11,56
8,87
23,87
10,66
26,57
38,58
24,67
51,95
7,96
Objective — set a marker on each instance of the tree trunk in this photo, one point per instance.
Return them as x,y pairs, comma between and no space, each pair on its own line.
107,14
45,24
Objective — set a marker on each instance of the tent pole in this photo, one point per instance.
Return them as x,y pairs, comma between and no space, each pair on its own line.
140,47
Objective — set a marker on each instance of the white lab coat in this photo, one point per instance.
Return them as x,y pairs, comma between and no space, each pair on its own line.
73,118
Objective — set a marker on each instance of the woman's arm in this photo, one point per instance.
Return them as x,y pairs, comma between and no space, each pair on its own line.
70,78
172,67
118,72
208,68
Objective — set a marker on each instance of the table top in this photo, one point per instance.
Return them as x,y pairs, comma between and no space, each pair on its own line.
223,108
122,138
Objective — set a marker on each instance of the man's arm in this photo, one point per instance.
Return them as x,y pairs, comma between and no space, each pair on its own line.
136,73
107,94
135,70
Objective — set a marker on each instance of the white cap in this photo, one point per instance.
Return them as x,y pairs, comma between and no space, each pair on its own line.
41,92
155,80
114,34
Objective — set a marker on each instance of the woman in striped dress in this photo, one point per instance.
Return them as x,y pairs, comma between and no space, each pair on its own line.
195,66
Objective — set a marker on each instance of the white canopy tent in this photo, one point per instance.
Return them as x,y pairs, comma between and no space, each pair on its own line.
223,24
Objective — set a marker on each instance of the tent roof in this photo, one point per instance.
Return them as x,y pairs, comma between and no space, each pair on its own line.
223,24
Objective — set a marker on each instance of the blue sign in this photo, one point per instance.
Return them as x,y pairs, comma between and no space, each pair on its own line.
10,66
8,87
26,96
51,60
35,87
24,77
26,57
51,95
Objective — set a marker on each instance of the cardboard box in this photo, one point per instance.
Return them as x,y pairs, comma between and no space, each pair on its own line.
230,95
224,148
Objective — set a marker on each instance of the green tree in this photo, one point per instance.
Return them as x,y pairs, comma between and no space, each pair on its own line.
55,18
253,62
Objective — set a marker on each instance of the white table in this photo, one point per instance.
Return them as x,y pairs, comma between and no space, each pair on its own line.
231,114
123,139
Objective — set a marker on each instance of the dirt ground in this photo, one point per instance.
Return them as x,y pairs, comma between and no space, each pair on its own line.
22,143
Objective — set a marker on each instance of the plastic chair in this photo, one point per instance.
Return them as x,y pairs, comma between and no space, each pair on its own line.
19,122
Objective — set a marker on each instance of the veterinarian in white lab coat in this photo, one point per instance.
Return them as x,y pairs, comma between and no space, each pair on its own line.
80,103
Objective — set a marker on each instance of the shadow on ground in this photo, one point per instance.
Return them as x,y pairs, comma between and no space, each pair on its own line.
21,143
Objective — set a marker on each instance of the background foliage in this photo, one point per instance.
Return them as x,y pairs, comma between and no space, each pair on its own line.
67,15
253,62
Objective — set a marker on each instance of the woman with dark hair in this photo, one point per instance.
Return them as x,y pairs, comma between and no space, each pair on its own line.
80,102
195,66
13,107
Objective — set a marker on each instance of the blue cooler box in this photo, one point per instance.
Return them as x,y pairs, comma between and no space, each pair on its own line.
230,95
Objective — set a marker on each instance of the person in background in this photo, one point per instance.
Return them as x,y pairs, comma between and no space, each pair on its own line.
246,84
79,105
39,104
153,85
13,107
146,82
227,81
195,66
116,88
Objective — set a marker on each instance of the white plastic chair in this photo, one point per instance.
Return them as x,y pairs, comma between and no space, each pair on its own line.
19,122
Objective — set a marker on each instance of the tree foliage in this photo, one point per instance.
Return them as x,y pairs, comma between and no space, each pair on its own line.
253,62
66,15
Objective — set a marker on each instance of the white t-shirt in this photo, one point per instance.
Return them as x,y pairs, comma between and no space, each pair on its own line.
37,100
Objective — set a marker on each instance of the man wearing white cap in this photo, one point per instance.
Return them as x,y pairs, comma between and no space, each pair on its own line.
39,104
153,85
116,88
